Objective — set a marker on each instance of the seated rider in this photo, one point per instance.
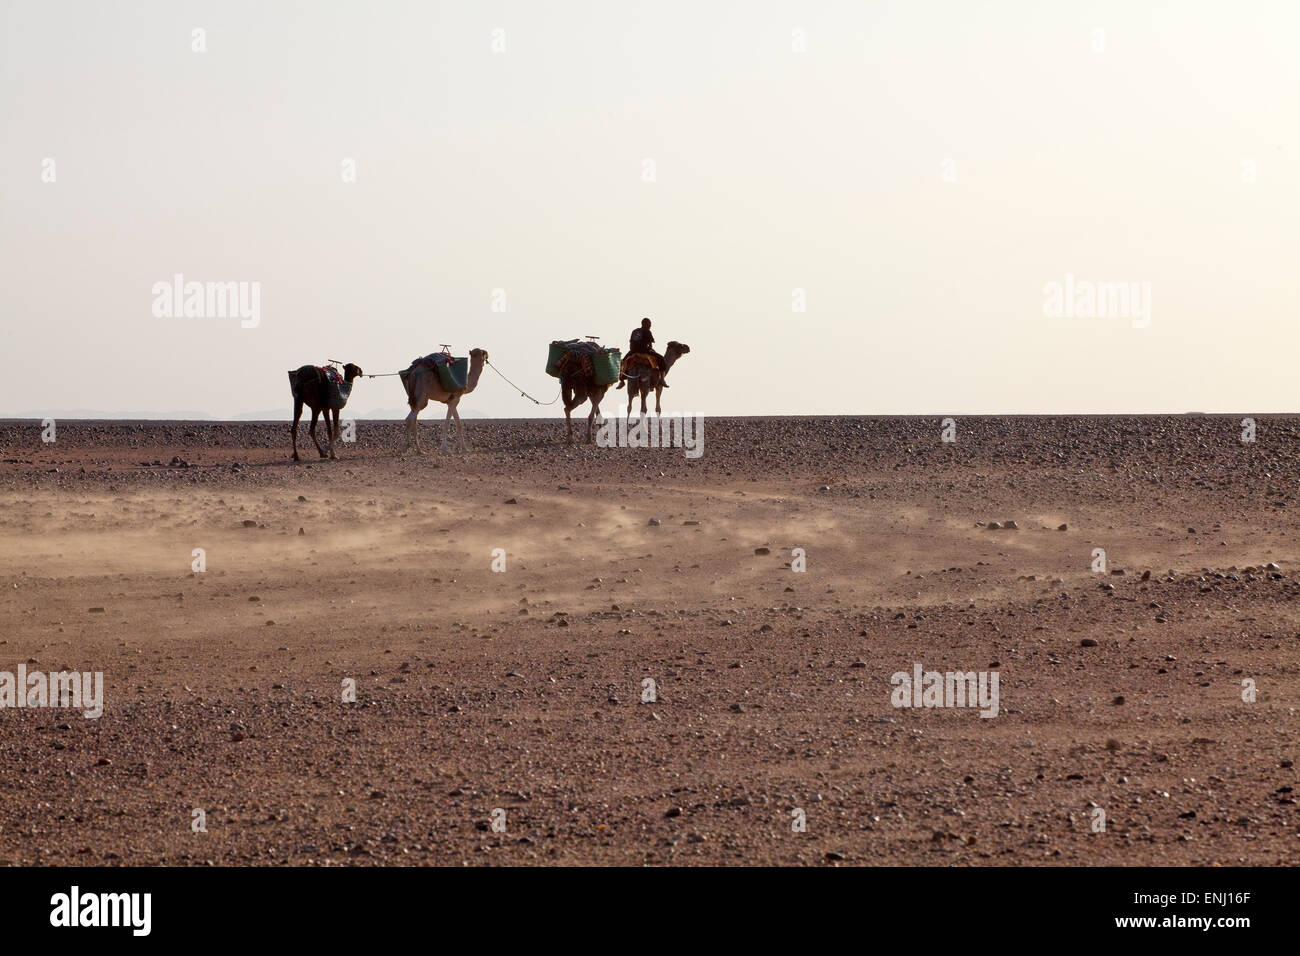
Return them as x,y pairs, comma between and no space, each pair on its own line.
640,343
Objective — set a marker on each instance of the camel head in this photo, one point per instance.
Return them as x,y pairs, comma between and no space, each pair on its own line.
476,359
351,371
674,351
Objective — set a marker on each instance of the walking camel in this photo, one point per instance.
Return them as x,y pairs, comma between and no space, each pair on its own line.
423,386
578,385
312,387
641,378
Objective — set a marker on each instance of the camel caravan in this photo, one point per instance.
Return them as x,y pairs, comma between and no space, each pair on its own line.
585,370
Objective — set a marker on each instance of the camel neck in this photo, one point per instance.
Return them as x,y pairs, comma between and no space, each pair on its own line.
475,370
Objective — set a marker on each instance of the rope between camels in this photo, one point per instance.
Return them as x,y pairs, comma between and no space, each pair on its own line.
376,375
522,393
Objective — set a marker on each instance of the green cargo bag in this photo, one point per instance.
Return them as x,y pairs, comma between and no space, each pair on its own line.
454,375
605,366
556,353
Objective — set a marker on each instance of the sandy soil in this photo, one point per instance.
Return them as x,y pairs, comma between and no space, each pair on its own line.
521,690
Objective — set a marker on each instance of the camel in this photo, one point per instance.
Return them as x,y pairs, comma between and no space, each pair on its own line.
578,386
423,386
641,378
309,387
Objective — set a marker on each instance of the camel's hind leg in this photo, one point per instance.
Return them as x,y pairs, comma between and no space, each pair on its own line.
315,414
293,429
595,410
413,419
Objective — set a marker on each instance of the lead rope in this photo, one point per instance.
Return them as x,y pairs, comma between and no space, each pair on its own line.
522,393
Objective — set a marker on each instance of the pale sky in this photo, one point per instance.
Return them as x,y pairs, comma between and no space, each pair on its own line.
922,170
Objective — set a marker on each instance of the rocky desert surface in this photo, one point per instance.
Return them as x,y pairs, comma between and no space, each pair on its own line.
501,612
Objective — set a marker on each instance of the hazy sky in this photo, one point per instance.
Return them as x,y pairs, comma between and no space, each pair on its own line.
922,170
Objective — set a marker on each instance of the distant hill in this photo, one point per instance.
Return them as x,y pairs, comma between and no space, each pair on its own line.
92,414
263,415
439,411
268,415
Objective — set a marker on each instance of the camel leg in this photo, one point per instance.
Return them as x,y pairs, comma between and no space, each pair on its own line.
332,428
566,394
659,390
645,394
418,399
446,424
413,432
460,430
293,429
590,418
315,414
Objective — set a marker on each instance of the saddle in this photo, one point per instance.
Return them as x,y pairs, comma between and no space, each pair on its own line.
637,360
432,360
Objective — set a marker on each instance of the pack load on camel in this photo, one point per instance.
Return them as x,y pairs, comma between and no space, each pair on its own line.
590,359
333,389
453,371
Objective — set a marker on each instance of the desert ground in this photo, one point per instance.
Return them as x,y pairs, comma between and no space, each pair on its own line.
520,690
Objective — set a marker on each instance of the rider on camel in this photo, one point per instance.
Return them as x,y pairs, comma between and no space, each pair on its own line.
640,343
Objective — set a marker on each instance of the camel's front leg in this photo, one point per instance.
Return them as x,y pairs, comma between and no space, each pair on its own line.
331,429
412,433
460,431
293,429
659,390
446,425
